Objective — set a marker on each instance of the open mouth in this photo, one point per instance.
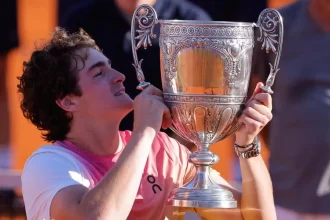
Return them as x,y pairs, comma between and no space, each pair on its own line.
120,92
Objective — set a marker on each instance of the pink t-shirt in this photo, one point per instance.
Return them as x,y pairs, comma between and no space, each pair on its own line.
62,164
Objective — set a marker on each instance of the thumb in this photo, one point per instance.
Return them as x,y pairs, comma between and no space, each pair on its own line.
257,90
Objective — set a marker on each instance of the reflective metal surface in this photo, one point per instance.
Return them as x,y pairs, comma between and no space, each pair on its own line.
205,70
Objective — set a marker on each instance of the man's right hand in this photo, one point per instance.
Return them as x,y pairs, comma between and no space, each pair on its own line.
150,110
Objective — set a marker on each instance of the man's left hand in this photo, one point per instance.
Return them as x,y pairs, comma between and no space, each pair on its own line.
257,113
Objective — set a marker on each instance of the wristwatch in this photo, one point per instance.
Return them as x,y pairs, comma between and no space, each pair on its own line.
253,149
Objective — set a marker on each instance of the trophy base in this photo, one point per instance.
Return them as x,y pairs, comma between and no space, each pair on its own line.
202,192
203,198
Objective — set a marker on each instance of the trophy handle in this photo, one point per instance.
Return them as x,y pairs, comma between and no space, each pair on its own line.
146,17
270,24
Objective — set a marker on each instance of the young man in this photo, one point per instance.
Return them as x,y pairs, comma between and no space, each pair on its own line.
94,171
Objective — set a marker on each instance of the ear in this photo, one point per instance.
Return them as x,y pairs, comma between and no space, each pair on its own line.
68,103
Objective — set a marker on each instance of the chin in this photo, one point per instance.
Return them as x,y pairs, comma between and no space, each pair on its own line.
124,104
127,106
129,103
125,100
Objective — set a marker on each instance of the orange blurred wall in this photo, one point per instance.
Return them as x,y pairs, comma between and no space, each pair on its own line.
37,18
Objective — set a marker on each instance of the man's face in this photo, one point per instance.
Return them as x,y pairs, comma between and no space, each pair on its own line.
103,93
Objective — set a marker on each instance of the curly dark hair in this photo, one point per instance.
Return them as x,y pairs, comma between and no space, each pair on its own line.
49,75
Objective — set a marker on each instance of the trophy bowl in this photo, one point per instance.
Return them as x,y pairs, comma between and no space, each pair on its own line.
205,72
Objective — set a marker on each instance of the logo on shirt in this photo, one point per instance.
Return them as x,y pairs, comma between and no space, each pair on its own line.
155,187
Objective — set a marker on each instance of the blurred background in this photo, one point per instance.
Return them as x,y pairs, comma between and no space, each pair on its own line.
26,22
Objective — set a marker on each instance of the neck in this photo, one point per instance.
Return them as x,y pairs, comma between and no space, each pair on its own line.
320,12
100,138
128,8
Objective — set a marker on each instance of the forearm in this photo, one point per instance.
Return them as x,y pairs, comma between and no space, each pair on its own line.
114,196
257,201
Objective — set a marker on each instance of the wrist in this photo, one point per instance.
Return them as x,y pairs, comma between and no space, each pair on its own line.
146,130
142,138
252,149
246,140
241,149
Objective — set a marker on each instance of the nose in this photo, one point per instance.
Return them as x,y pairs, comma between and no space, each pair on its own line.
117,78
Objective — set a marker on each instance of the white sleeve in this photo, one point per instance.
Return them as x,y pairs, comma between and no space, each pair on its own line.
43,176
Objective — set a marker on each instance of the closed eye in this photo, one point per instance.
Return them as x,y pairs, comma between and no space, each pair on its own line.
98,74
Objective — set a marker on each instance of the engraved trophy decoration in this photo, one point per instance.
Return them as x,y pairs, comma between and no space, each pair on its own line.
205,71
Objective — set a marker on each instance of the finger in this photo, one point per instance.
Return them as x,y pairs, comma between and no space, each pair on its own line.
265,99
257,90
256,115
261,108
167,117
151,99
151,90
157,98
250,124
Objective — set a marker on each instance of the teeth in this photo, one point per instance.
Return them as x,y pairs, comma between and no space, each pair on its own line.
119,93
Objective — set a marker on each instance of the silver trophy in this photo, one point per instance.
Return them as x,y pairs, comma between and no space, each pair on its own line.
205,70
